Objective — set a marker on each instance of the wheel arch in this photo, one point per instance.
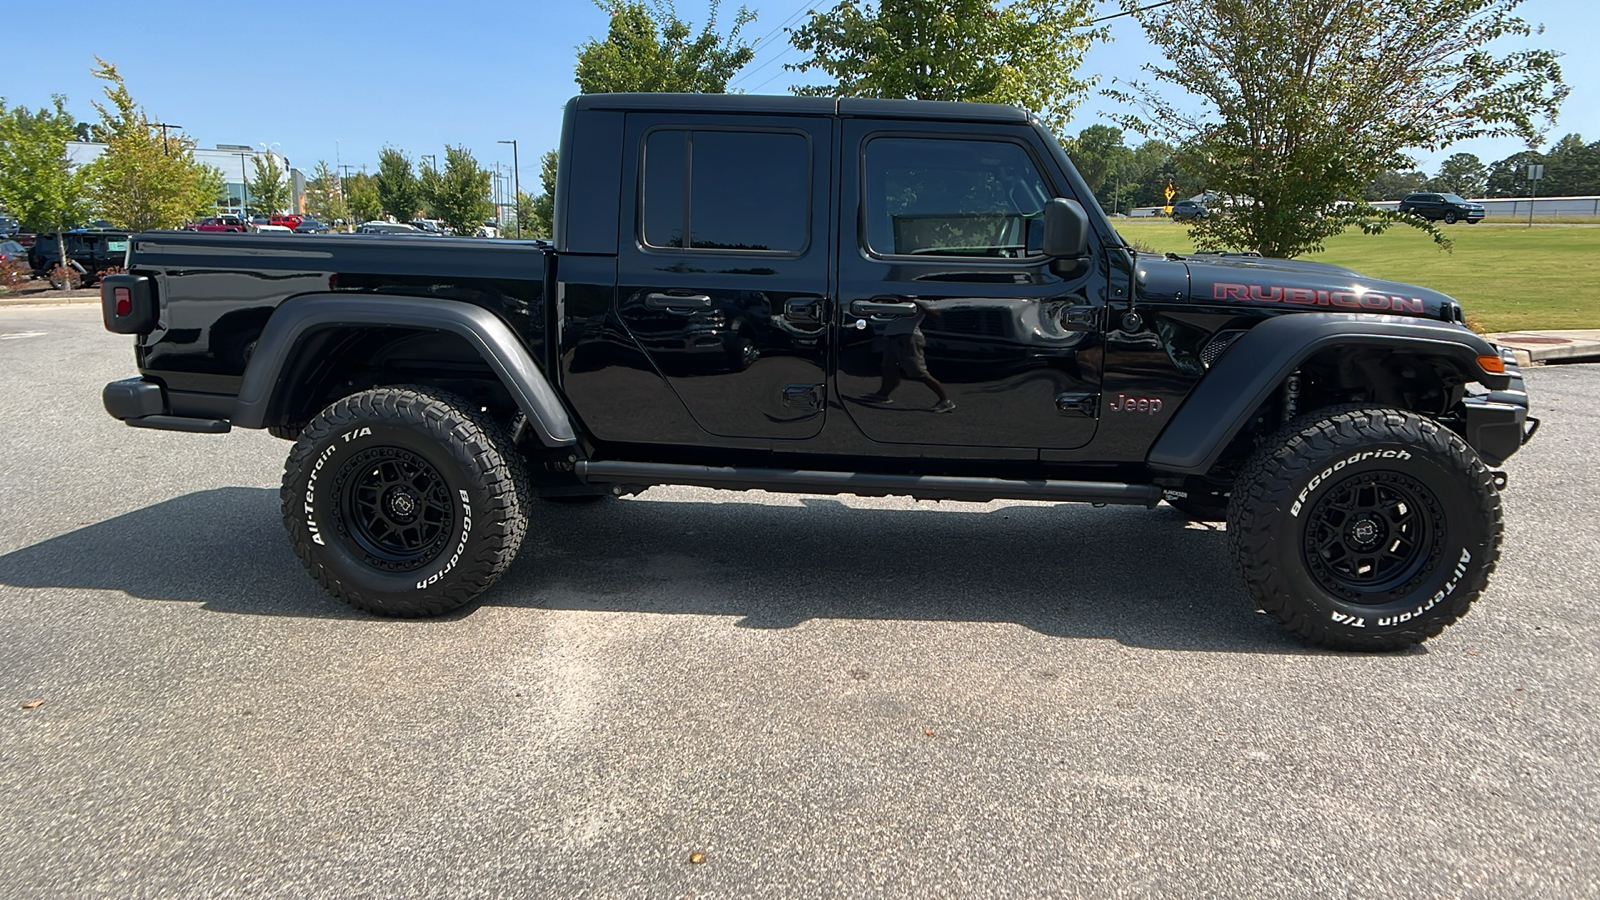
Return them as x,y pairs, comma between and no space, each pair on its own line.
1245,378
312,328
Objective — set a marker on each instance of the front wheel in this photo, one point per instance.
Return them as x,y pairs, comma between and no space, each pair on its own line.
1450,218
1365,528
405,501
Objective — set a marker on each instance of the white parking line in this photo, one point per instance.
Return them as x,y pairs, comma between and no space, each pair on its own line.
16,335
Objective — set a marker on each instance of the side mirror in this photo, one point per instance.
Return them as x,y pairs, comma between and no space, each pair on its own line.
1066,229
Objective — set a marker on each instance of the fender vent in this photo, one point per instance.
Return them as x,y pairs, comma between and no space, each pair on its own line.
1219,344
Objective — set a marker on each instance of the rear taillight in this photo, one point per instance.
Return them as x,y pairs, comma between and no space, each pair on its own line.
128,304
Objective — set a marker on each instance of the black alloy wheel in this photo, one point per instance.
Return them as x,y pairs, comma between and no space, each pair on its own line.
394,507
1369,533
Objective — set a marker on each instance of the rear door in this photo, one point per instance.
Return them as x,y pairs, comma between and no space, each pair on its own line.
724,266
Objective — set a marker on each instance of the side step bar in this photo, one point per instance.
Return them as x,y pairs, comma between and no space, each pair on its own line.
922,487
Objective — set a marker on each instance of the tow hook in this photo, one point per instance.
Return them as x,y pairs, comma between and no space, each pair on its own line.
1500,480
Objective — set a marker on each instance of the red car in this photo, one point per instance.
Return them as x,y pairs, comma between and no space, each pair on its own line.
218,223
290,221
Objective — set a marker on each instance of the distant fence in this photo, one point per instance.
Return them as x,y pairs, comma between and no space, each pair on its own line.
1493,207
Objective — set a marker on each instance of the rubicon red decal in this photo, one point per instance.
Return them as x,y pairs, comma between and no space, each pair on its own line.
1370,301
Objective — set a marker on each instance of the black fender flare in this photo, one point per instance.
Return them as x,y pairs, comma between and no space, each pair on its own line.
493,339
1230,393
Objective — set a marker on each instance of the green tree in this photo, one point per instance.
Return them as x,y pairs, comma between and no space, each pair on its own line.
542,209
1302,103
37,181
399,191
1394,184
428,186
460,194
1099,155
1573,168
648,48
1509,177
1462,173
361,194
145,180
269,189
1025,52
325,194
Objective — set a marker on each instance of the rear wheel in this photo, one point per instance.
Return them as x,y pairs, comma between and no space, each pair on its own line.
1365,528
404,501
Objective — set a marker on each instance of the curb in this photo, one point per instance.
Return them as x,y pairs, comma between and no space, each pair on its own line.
48,300
1581,345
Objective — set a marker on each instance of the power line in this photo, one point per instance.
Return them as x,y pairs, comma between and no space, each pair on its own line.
1130,12
804,8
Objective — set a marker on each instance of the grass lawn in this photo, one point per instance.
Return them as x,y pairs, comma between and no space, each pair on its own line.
1507,277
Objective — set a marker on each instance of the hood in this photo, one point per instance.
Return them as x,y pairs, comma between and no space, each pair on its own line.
1300,284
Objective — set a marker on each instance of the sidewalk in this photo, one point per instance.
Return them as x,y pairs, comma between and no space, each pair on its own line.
1581,345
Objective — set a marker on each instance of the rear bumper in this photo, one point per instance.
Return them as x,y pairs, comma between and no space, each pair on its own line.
1496,423
143,404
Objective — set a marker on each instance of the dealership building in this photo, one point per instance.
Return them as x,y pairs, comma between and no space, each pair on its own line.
236,162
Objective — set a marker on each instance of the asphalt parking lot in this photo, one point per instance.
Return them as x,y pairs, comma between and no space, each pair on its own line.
826,697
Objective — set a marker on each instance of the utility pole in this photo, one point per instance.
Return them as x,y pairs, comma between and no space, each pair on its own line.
163,126
516,179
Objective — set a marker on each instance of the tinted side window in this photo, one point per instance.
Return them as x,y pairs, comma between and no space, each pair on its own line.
952,197
745,190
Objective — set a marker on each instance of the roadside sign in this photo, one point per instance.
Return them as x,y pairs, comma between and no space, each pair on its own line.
1171,192
1535,171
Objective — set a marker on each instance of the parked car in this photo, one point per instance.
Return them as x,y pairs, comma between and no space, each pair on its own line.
310,226
1446,208
217,224
271,229
431,226
10,250
1186,210
388,228
91,252
290,221
8,226
840,277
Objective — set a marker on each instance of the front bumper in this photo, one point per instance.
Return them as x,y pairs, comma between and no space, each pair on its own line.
1496,423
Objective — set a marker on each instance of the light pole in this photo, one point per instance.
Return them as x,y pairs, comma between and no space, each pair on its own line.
516,181
244,190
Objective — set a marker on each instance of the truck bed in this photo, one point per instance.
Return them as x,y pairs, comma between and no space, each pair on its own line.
217,291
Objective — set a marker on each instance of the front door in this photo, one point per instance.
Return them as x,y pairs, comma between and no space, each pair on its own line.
953,327
723,266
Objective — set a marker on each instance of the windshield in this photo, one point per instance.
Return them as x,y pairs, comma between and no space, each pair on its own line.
1452,198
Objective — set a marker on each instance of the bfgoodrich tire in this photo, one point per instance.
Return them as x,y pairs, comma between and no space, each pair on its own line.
404,501
1364,528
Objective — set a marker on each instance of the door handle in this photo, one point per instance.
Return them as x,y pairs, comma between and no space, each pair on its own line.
804,309
677,301
1079,318
887,309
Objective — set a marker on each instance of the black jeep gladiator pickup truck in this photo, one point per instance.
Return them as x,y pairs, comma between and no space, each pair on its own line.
833,296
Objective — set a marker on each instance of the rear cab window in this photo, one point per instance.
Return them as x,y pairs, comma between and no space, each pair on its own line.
725,191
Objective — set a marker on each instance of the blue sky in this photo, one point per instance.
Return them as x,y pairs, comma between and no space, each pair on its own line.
344,79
